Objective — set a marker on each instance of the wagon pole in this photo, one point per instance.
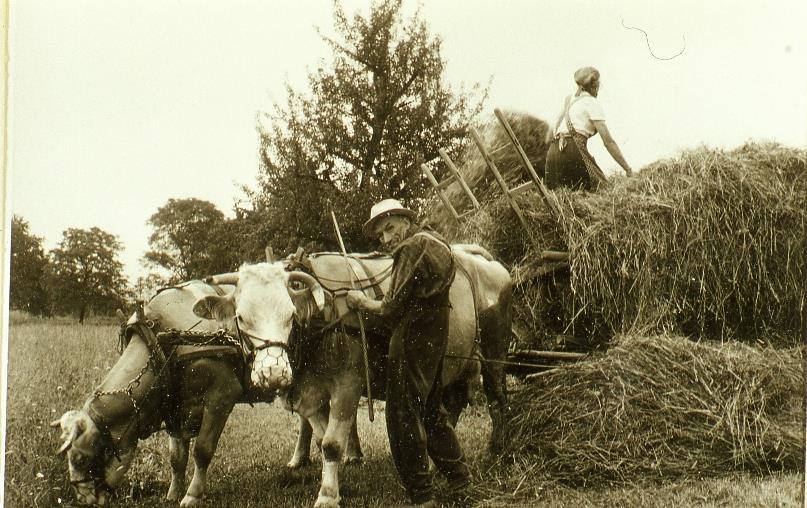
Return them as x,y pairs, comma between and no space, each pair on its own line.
353,277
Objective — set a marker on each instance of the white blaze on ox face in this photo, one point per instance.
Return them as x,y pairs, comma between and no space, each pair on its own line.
265,312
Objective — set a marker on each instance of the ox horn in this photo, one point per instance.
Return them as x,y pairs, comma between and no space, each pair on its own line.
312,284
223,278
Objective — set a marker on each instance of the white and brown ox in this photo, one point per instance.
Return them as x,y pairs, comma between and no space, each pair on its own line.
194,395
326,392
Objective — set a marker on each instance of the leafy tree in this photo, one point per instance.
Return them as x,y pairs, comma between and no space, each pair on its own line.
360,132
28,290
86,273
190,239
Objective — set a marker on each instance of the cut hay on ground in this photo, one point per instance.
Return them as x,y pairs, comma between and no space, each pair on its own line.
662,408
711,243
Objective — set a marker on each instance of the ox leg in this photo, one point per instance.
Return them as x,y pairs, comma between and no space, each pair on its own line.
341,418
178,453
302,451
455,400
319,424
353,453
494,343
213,420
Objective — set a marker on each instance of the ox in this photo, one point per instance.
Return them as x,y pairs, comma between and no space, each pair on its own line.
193,395
326,390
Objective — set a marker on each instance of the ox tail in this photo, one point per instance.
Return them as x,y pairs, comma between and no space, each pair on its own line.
474,249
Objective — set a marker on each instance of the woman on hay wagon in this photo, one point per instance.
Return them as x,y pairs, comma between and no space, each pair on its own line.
568,163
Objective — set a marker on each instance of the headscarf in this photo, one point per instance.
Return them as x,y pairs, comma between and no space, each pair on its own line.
584,77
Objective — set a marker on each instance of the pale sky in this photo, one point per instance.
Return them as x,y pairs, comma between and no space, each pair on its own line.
117,106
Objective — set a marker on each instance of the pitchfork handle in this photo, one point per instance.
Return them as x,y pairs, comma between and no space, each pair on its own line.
353,277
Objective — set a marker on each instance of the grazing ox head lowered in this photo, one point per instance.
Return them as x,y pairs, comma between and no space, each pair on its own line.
262,310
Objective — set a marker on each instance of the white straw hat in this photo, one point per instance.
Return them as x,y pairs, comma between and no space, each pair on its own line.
383,209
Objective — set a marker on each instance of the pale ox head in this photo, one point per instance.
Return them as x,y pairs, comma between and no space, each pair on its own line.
93,468
262,309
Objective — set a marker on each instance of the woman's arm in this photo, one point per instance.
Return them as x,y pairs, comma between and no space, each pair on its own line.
611,145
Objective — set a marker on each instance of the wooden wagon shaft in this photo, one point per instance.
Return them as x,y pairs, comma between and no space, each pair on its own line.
543,270
554,255
553,355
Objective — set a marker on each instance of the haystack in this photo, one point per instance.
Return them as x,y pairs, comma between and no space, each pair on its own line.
710,243
661,408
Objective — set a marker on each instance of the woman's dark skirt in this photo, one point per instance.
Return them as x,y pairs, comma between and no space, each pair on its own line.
567,168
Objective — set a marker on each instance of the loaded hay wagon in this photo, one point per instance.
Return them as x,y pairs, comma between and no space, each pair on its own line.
684,283
550,265
710,244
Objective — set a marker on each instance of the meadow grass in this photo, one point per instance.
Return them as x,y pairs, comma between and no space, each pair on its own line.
53,366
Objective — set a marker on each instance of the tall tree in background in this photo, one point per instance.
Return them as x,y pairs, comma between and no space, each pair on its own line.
190,239
361,131
28,290
86,273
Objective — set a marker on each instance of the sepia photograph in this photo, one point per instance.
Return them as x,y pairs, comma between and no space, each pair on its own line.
394,253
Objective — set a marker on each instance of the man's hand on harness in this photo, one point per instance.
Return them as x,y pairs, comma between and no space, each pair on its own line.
358,300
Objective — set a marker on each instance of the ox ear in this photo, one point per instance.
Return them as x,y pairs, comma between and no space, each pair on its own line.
215,307
72,426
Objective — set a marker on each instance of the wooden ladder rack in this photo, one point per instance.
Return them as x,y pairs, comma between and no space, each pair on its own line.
550,263
440,187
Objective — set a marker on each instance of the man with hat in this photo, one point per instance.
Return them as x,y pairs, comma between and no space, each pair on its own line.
417,302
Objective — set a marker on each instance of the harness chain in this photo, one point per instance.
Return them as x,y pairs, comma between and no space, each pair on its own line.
158,363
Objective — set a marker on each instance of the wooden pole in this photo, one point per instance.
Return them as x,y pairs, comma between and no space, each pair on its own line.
458,176
351,274
554,255
548,198
499,179
552,355
439,191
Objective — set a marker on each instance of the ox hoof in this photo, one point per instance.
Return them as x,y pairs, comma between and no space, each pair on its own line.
189,500
174,493
326,502
297,463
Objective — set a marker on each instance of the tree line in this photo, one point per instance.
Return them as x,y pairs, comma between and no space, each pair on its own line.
358,132
81,275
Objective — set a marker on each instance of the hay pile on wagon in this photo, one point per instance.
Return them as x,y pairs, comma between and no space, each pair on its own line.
655,409
710,243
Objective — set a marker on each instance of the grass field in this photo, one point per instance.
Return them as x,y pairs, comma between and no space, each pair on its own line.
53,365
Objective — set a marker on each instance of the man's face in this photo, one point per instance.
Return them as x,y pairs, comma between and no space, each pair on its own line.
391,231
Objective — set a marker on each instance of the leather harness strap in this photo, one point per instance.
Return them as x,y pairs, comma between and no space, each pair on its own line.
374,283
